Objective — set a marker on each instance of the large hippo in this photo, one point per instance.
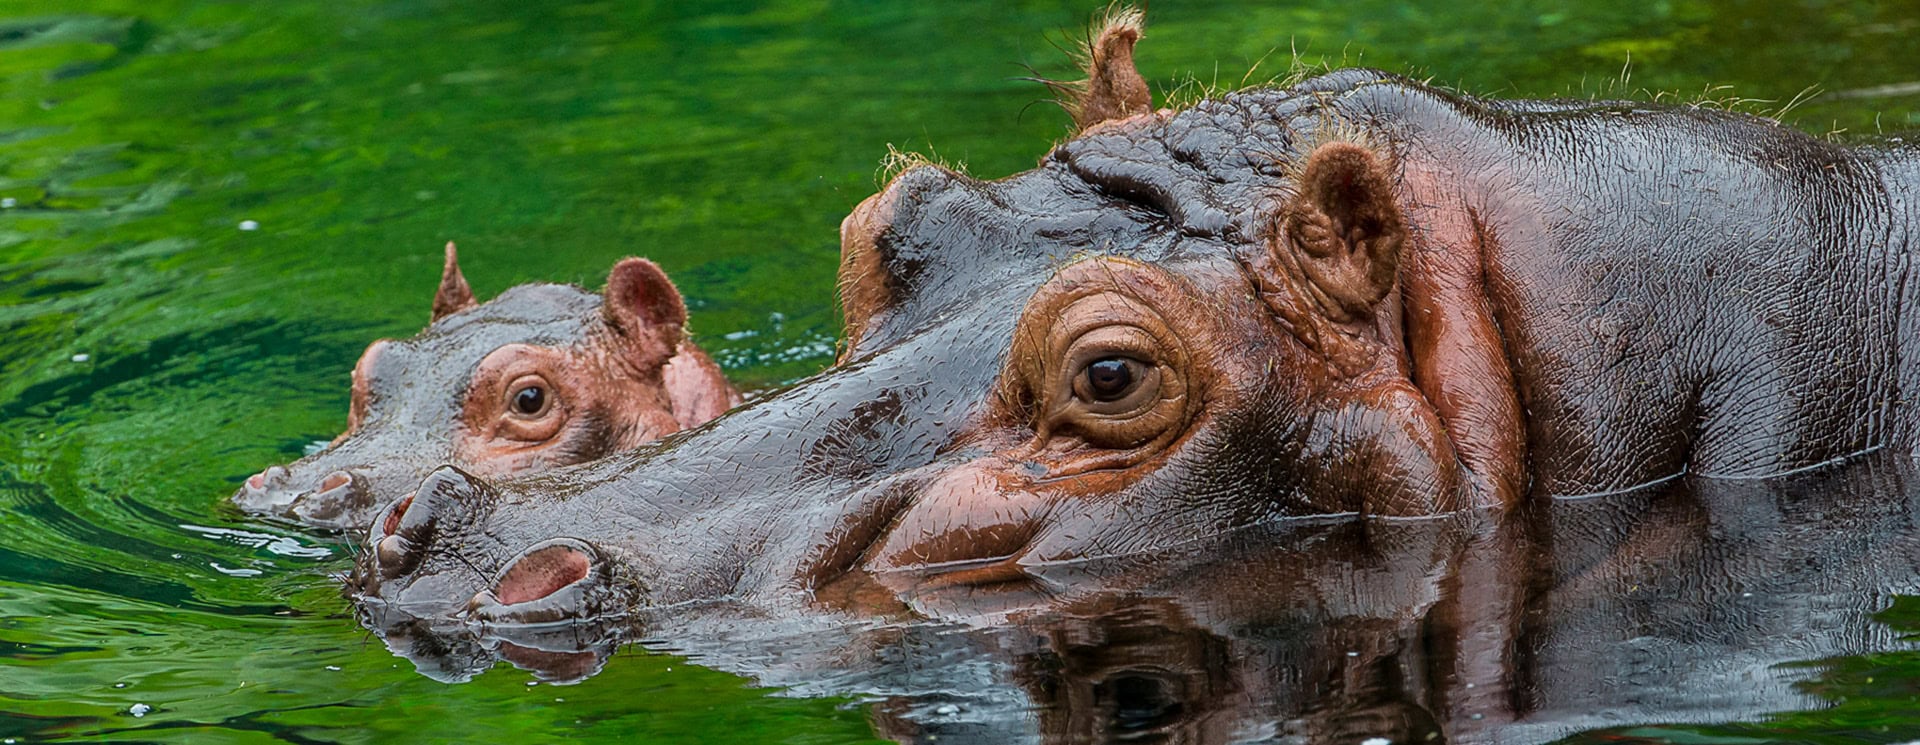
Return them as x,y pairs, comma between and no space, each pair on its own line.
1355,295
543,375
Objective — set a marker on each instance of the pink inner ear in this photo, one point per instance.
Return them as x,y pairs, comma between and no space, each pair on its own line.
641,298
542,573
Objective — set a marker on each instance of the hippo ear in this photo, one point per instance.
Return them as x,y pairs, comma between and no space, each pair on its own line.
1333,257
643,305
1343,231
454,295
1113,88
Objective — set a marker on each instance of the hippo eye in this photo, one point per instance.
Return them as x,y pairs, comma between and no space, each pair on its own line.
1110,379
1119,388
530,399
527,409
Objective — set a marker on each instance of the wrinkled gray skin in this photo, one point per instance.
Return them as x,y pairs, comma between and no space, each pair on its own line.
417,390
1677,290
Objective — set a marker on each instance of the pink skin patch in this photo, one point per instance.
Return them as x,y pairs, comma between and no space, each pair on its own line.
542,573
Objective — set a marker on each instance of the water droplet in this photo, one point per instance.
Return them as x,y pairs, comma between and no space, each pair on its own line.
249,225
120,685
335,668
532,683
947,710
82,357
139,710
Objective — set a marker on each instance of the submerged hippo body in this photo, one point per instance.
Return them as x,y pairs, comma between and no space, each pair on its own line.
1359,295
542,376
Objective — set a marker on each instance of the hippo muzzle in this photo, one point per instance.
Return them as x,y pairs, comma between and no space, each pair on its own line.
336,502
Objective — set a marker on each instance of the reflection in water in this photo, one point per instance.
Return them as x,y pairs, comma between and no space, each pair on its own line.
1676,604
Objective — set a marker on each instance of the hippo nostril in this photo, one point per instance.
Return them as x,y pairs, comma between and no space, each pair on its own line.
266,493
393,552
560,580
335,480
542,573
335,503
394,514
447,502
268,479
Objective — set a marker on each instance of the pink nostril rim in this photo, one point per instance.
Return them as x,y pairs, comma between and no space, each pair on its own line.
393,517
334,481
542,573
256,481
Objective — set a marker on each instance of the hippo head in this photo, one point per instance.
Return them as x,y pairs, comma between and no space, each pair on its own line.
1178,324
541,376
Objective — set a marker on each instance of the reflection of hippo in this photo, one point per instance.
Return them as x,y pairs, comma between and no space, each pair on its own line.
1356,295
541,376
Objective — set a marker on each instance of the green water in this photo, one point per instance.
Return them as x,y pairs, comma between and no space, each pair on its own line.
724,140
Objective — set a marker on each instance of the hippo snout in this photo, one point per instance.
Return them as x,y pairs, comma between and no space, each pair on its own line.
266,491
331,501
403,537
423,564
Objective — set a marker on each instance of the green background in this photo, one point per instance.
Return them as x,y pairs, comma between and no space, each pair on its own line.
725,140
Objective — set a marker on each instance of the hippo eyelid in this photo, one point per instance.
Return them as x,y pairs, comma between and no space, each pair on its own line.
1136,195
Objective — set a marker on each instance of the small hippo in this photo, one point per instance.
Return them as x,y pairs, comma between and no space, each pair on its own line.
542,376
1356,297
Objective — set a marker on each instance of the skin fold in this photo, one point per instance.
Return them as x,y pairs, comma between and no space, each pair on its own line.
540,377
1356,296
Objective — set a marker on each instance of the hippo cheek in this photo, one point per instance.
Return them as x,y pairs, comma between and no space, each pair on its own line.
557,581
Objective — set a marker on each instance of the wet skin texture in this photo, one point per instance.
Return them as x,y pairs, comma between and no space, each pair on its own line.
1356,295
539,377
